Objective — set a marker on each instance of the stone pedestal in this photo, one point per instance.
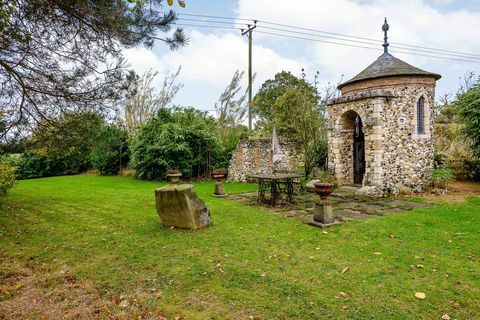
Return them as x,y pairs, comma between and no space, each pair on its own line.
219,189
178,206
323,212
219,175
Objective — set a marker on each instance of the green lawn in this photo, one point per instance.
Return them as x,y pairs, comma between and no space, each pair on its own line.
249,262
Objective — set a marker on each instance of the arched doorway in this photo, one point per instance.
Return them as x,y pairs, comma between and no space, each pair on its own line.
353,150
358,151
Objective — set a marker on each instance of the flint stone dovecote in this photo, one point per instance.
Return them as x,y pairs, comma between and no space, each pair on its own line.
377,134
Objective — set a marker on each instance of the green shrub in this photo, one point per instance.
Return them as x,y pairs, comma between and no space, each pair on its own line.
468,105
31,165
231,137
61,147
7,176
183,139
111,153
441,176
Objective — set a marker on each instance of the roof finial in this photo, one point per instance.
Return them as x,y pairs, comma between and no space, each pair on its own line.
385,29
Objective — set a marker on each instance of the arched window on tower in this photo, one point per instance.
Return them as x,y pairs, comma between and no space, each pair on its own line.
421,116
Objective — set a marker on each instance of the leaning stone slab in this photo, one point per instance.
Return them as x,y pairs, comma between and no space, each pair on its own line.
178,206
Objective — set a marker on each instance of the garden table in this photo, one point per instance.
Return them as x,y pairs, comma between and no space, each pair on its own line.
276,184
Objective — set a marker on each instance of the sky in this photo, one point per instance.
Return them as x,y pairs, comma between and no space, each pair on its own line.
212,55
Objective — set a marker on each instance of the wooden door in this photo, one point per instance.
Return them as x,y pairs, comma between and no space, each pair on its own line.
358,152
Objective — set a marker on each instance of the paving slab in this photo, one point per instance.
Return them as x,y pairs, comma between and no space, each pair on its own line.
309,220
352,214
411,204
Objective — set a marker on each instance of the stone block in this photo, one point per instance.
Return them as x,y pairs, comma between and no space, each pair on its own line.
323,213
370,191
178,206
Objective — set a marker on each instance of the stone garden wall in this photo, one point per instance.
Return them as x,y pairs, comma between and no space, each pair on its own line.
255,157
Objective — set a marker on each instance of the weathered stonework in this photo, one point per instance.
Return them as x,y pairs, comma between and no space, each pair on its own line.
178,206
396,155
255,157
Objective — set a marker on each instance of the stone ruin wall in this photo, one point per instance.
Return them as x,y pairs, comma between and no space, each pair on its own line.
255,157
395,154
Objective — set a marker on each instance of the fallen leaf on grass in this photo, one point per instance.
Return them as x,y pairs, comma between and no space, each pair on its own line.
344,307
344,294
420,295
345,269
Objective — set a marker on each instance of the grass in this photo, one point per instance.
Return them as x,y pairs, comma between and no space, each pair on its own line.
248,262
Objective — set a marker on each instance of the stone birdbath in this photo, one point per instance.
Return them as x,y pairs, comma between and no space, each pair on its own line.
219,175
323,214
174,176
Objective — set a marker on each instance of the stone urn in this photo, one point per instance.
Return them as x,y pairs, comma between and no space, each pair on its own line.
323,189
174,176
323,209
219,175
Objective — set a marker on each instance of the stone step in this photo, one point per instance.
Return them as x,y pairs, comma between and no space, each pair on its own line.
345,192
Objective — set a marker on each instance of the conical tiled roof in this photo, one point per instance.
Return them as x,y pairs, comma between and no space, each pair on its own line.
387,66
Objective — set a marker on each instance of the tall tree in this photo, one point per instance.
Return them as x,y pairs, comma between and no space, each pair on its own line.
144,99
296,108
231,107
469,109
264,100
64,55
299,119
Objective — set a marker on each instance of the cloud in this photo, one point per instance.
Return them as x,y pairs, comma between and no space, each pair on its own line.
209,62
212,56
411,21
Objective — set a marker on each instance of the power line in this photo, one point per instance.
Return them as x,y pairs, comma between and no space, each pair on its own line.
397,44
212,21
368,43
215,17
206,26
397,50
340,39
364,47
369,39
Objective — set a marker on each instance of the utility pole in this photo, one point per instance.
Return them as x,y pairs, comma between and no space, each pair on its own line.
249,32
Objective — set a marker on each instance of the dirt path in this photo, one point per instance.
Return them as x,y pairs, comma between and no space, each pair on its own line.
458,191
